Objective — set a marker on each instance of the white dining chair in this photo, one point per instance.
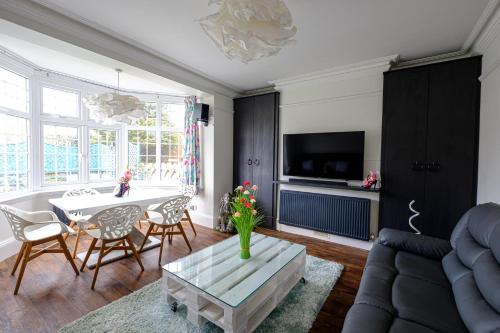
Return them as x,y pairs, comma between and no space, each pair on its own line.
112,227
165,217
189,191
33,229
77,192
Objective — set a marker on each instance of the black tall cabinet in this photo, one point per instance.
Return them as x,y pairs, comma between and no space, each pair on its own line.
430,131
256,148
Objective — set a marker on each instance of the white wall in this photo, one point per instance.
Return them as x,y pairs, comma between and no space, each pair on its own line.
488,44
342,99
216,160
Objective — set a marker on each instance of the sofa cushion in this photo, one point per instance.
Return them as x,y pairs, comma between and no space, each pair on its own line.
476,313
426,303
422,268
474,269
367,318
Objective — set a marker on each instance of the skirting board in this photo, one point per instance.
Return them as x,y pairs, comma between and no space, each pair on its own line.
326,237
8,248
202,219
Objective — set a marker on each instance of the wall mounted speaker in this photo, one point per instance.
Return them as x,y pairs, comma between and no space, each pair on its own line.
201,113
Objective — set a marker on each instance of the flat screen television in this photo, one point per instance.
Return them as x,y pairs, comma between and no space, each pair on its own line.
335,155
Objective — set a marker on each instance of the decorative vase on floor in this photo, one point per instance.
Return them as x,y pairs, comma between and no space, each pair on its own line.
245,215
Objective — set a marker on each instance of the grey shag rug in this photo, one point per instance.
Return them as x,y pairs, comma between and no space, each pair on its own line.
144,312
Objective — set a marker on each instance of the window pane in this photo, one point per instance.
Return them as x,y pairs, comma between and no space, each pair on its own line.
171,157
142,154
102,154
60,102
150,119
13,153
60,154
172,116
13,91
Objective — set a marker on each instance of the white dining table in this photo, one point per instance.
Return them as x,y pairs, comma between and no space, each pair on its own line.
91,204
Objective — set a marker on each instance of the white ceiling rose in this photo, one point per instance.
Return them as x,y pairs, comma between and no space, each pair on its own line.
250,29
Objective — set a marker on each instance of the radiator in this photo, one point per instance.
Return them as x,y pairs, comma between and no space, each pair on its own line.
339,215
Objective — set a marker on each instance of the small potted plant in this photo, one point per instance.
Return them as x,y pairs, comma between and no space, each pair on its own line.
123,184
245,215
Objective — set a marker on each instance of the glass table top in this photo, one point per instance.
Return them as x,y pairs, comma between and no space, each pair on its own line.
219,271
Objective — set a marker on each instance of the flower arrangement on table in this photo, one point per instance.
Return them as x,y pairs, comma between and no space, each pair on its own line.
123,184
245,215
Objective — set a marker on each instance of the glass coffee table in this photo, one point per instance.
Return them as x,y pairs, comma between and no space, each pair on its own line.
234,294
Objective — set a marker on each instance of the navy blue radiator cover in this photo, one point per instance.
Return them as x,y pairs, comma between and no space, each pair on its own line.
334,214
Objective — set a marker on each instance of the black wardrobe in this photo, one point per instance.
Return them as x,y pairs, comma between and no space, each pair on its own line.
256,148
430,131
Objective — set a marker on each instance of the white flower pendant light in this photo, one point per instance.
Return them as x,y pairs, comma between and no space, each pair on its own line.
250,29
112,107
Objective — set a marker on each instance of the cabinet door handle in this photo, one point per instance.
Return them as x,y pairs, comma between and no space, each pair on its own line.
256,162
418,166
249,161
434,166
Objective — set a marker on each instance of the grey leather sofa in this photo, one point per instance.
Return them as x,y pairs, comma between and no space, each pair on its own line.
420,284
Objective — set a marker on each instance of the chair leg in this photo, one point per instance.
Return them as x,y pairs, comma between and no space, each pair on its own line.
71,225
78,234
179,225
98,265
124,251
18,259
161,244
134,251
89,252
151,226
64,247
186,212
26,258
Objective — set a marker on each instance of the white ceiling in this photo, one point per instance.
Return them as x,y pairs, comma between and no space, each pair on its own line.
330,33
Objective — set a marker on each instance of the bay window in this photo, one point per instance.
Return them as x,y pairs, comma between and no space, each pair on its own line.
48,138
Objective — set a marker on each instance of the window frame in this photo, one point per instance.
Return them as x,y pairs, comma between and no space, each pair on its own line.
26,72
158,129
56,86
118,151
42,160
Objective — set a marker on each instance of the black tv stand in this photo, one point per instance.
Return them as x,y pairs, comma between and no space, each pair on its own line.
319,182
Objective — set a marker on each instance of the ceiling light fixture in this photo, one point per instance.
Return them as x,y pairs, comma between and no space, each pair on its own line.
112,107
250,29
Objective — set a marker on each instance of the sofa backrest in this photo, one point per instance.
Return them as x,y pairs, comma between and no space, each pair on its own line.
473,268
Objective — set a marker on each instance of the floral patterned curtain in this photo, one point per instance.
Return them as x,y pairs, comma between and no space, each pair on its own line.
191,155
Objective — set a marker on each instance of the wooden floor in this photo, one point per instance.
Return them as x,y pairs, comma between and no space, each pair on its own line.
52,296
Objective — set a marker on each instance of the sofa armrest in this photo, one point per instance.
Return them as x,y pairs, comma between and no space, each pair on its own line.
430,247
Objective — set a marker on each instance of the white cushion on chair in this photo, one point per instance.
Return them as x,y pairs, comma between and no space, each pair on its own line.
41,231
155,217
96,233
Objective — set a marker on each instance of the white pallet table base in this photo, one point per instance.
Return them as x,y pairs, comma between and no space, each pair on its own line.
235,279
